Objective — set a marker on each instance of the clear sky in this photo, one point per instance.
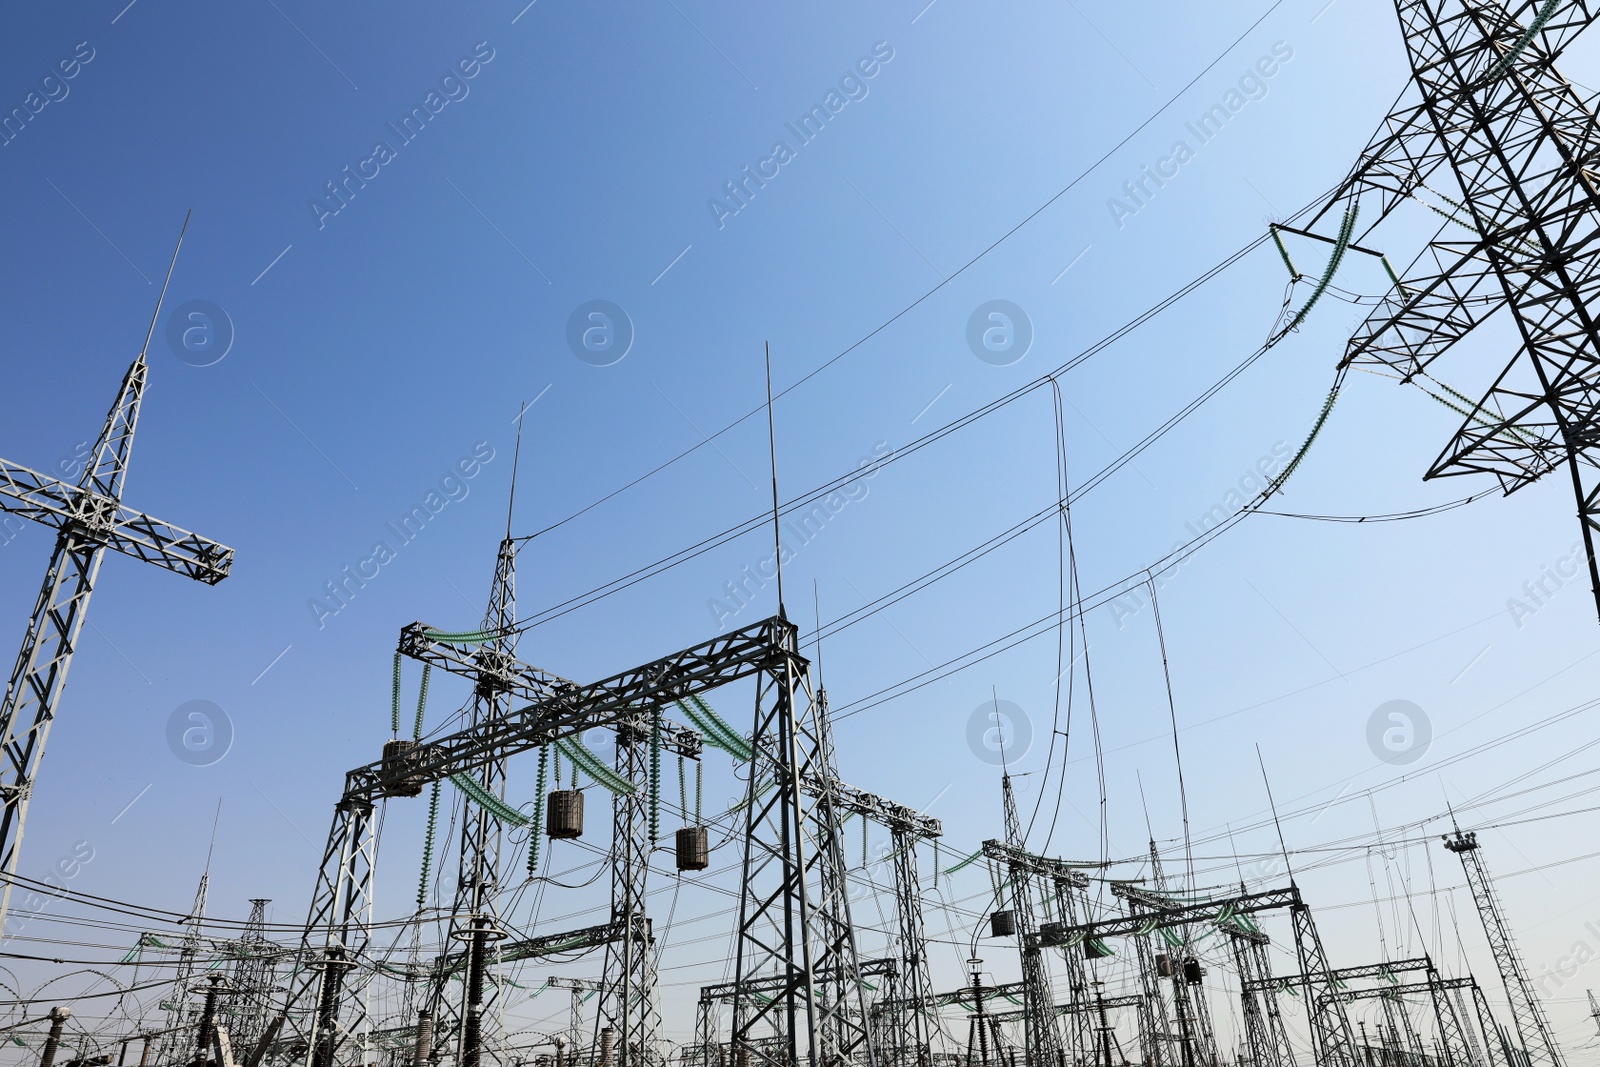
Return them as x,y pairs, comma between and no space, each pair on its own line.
395,292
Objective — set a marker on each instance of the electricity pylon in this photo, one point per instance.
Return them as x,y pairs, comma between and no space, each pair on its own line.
1488,117
89,517
474,919
1532,1029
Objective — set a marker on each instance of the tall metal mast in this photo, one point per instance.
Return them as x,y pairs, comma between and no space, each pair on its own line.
252,979
1527,1016
89,517
475,916
178,1035
1041,1037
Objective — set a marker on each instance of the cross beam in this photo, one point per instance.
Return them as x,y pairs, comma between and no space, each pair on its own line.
1042,866
108,522
1179,915
560,708
1346,974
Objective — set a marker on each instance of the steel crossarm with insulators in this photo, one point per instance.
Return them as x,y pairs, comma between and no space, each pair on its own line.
698,669
1131,1001
1349,974
1041,866
1178,915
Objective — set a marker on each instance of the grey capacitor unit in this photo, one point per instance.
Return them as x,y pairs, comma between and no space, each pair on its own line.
1003,924
693,848
563,819
399,760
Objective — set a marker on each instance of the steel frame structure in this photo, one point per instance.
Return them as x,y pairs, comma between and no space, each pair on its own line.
1042,1045
1527,1015
906,1025
88,517
1332,1038
474,915
794,904
629,999
1196,1034
1487,107
1265,1033
789,918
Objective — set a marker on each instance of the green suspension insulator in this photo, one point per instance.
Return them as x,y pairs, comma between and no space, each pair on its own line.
427,847
683,790
655,775
538,813
394,702
422,702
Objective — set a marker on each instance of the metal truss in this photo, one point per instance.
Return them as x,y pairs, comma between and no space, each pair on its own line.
1333,1042
88,517
1265,1033
1333,1039
1488,115
629,1000
907,1027
1196,1037
794,905
1527,1015
1041,1034
787,920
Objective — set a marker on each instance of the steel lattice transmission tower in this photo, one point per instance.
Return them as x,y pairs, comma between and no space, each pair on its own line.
1488,116
475,914
253,976
89,517
1532,1029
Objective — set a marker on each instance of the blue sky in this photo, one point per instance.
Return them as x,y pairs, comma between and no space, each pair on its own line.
378,346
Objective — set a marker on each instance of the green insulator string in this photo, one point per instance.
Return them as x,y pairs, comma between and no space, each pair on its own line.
1346,229
558,767
394,702
538,813
427,847
422,702
655,774
1527,37
683,790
